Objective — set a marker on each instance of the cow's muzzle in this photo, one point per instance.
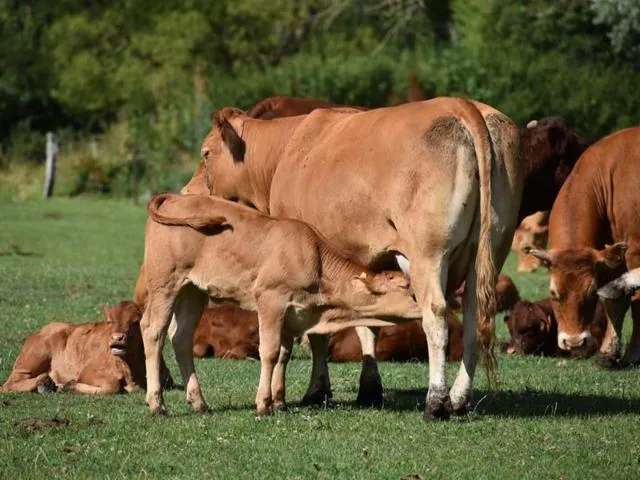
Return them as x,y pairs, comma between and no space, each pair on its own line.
573,342
118,344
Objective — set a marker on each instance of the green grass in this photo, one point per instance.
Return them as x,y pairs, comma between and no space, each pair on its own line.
63,259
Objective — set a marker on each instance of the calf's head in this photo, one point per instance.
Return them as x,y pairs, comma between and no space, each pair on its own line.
574,278
124,319
384,294
221,170
530,326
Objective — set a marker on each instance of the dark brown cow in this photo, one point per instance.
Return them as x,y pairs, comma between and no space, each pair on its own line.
506,295
550,150
95,358
534,331
597,205
227,331
400,343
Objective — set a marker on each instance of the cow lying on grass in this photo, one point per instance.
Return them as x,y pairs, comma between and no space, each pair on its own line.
399,343
507,295
227,331
198,247
534,331
96,358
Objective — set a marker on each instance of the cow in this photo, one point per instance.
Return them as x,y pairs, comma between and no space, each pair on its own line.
533,232
226,331
400,343
507,295
95,358
533,330
596,207
285,106
406,186
199,246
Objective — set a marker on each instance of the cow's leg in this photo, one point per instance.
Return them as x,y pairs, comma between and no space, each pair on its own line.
99,386
370,390
154,324
187,310
27,383
428,280
632,353
319,389
608,355
462,389
270,322
279,373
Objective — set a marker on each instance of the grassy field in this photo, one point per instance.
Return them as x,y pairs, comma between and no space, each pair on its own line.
62,260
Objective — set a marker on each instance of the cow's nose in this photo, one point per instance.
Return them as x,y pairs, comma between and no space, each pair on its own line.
118,337
204,152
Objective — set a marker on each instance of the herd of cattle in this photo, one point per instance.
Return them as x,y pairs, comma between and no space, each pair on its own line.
304,219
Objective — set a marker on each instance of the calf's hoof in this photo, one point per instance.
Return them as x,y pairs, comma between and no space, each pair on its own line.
317,397
279,406
201,408
68,387
47,385
265,411
159,412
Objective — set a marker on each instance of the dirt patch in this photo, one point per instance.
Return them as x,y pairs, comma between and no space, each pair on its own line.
36,425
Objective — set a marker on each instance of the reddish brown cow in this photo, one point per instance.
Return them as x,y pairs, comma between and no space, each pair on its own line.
597,205
532,232
534,331
283,106
227,331
506,295
96,358
400,343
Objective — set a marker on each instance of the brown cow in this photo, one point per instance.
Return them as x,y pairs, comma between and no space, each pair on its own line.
550,150
226,331
400,343
597,205
316,168
199,246
96,358
534,331
283,106
506,295
532,232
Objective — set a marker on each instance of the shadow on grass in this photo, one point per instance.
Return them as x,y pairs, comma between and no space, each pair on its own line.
524,403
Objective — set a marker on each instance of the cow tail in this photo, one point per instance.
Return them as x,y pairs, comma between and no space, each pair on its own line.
486,274
197,222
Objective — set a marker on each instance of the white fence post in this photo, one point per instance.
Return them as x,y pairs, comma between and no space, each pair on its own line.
52,156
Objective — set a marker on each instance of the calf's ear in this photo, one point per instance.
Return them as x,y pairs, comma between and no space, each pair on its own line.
543,255
612,256
107,313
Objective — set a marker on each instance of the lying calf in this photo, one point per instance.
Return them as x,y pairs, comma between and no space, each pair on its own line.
534,330
198,247
226,331
506,295
399,343
98,358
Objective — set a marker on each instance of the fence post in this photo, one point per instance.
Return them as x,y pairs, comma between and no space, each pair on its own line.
52,156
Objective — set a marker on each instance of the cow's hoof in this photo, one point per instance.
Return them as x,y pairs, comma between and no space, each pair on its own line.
315,398
370,396
47,385
279,406
438,406
201,408
462,410
264,411
607,362
159,412
68,387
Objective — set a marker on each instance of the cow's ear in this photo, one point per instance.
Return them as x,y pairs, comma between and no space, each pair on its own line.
230,137
557,135
543,255
612,256
107,314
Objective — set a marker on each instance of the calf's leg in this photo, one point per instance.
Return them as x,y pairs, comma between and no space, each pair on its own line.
279,373
270,322
187,310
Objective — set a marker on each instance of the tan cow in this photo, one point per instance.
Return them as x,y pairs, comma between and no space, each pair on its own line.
597,206
96,358
199,246
531,232
417,184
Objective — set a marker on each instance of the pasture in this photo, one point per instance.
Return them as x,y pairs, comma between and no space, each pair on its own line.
62,260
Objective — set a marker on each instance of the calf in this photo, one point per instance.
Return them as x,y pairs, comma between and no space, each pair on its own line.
198,247
532,232
97,358
226,331
400,343
533,329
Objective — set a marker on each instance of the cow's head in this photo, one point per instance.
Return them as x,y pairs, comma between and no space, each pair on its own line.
530,326
221,167
550,150
124,319
384,294
574,278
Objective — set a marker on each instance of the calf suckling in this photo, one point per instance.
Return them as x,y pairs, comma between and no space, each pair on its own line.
96,358
198,247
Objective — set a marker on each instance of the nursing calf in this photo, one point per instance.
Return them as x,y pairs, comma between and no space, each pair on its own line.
96,358
198,247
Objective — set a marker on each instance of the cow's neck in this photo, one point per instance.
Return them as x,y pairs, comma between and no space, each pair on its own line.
266,142
578,217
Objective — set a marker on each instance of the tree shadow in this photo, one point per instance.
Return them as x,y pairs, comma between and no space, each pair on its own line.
523,403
